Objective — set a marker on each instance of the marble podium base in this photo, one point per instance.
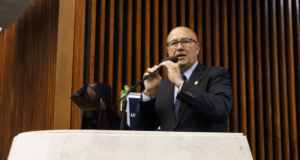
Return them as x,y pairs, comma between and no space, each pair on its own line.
131,145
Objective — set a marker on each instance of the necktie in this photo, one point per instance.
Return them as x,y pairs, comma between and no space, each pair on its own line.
177,102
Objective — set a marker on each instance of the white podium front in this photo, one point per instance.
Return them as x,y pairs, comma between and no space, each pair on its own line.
131,145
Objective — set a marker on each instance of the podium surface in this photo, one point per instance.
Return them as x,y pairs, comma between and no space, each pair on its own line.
131,145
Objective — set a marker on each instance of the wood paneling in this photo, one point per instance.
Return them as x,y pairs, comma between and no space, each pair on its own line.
259,96
78,58
250,77
64,65
27,69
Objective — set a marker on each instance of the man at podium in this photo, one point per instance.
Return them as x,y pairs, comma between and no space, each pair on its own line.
194,97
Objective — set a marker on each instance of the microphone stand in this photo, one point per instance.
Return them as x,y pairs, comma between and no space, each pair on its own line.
124,107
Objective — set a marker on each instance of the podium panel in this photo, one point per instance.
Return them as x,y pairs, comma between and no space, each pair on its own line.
131,145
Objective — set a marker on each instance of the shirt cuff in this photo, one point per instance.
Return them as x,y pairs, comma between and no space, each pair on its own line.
145,98
179,89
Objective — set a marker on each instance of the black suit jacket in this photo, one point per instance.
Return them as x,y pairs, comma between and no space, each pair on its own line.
206,101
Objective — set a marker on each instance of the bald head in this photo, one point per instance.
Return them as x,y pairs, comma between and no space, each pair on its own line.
182,32
188,53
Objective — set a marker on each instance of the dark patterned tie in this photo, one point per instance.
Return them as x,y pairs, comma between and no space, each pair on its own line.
177,102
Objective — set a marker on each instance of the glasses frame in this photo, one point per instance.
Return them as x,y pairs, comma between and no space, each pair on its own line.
181,43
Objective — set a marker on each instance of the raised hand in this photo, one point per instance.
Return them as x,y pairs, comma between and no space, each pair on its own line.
173,70
152,83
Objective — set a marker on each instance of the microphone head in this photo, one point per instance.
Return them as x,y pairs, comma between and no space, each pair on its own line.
172,58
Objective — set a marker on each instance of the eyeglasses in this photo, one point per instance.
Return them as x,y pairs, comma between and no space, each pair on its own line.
184,42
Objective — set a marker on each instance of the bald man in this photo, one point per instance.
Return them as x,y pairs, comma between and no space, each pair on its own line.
194,97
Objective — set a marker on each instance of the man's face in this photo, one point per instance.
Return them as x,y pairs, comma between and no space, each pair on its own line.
187,55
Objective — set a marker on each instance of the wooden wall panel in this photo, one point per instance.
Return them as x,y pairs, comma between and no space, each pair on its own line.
138,45
296,30
291,80
259,96
78,58
275,82
250,77
283,81
234,123
27,70
267,81
120,47
92,41
258,41
165,31
64,65
129,46
199,29
207,33
102,14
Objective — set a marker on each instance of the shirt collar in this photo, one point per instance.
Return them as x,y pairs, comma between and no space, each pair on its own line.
189,72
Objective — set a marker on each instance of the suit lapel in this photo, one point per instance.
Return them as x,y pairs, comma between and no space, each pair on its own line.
196,76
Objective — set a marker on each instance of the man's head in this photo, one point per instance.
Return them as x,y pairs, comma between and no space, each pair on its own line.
187,50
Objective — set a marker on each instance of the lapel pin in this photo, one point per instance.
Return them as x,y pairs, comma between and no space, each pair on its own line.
196,82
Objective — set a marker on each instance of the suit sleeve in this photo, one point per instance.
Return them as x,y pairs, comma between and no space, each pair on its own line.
215,103
146,117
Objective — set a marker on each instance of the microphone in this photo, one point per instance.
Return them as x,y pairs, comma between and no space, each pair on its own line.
172,58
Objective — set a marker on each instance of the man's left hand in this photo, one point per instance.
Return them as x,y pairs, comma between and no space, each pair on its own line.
173,70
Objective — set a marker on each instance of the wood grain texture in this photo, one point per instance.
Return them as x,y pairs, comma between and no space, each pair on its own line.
129,45
259,96
78,59
165,32
157,31
224,34
234,117
102,40
138,45
250,77
64,65
182,13
199,28
147,36
216,33
191,6
120,49
241,66
296,30
27,70
111,45
283,81
207,34
267,81
275,82
291,80
92,42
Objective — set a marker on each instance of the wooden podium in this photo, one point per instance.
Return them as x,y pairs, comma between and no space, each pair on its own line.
131,145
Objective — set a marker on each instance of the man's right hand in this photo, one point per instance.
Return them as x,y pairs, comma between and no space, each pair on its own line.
152,83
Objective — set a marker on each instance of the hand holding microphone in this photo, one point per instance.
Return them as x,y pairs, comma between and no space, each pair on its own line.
153,79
